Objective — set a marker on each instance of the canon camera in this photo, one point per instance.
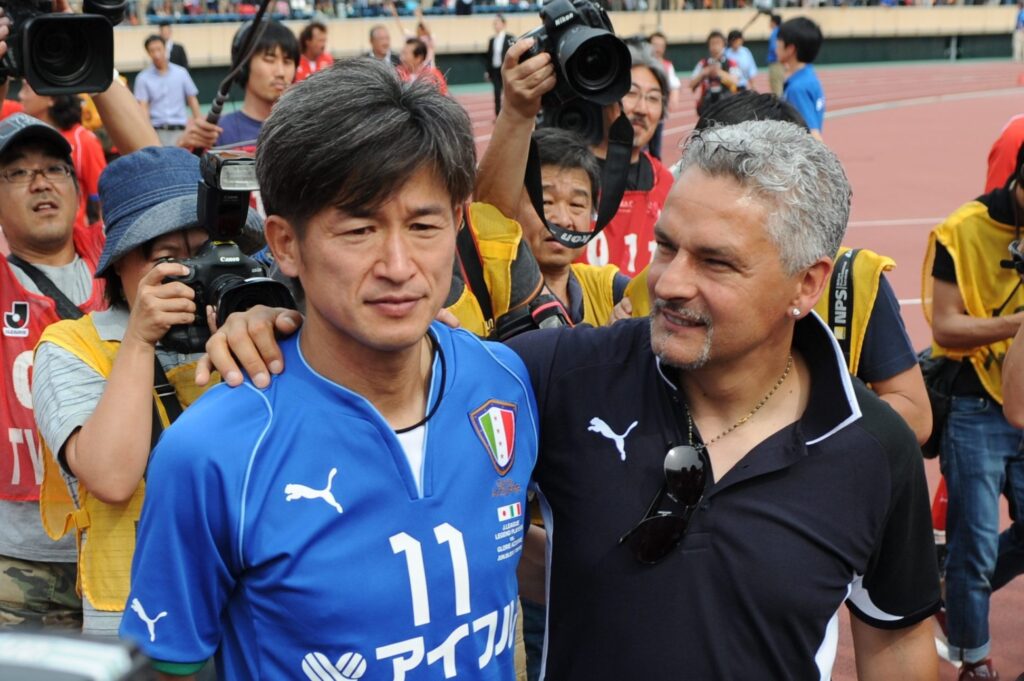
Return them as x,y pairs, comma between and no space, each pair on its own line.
592,65
221,274
61,54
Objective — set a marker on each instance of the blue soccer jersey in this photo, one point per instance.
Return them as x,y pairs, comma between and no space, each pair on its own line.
803,91
283,528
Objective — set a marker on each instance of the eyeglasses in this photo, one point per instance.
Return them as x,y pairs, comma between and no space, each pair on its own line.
658,532
653,98
54,173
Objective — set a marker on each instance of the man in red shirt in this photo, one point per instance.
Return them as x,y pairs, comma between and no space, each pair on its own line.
313,50
414,65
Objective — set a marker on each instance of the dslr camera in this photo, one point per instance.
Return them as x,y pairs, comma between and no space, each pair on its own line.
61,54
221,274
592,65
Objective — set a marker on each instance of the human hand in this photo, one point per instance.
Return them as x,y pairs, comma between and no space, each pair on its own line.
199,134
5,32
624,310
448,318
159,305
248,338
524,84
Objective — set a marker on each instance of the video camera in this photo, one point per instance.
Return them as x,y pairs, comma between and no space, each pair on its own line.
221,274
61,54
592,65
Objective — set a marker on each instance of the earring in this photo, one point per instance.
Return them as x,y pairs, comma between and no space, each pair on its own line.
795,311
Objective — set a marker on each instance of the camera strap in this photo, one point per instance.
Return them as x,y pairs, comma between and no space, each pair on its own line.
613,184
473,272
65,308
165,393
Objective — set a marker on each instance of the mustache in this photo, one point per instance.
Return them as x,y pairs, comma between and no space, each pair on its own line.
681,311
639,120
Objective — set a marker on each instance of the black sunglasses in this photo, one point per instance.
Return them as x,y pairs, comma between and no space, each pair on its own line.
658,532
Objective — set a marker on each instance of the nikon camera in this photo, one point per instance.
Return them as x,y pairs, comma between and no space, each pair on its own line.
592,66
221,274
61,54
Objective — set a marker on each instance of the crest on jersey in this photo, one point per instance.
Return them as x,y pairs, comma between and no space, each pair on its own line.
16,321
495,424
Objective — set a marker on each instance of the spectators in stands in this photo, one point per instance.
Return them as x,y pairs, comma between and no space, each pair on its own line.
972,304
715,75
414,65
270,71
798,43
494,55
313,54
175,52
64,112
93,385
742,57
628,240
776,72
659,45
1002,157
380,45
164,89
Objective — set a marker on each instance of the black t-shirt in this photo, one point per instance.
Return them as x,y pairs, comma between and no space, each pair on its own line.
835,503
639,177
886,350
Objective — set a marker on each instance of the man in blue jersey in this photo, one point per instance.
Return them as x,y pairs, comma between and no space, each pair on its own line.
364,513
797,45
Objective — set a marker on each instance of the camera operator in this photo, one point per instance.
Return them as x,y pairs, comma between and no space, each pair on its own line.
93,386
269,72
570,180
628,240
974,306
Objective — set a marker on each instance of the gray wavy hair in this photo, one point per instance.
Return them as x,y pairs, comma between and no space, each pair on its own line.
796,175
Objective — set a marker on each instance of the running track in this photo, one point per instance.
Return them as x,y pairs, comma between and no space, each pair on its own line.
914,141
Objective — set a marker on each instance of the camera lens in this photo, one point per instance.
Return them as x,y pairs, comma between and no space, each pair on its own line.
61,54
595,68
595,63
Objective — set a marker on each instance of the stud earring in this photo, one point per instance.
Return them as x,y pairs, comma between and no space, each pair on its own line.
796,311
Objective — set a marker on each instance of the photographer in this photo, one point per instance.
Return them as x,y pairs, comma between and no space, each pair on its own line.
628,240
716,75
93,387
973,305
570,179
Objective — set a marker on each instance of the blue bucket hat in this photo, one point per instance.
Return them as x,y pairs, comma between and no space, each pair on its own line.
147,194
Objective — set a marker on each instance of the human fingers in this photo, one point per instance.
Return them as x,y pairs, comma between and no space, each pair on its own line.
448,318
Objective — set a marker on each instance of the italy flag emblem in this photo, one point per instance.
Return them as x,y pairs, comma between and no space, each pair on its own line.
495,425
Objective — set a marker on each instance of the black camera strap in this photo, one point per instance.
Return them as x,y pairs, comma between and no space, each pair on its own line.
613,184
65,308
165,393
473,272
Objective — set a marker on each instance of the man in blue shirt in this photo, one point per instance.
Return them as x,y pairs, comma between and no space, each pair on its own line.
798,43
163,89
744,59
365,512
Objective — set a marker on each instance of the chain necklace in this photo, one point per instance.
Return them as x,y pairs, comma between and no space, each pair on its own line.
750,414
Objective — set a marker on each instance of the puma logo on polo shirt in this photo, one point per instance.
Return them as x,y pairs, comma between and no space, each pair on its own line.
601,428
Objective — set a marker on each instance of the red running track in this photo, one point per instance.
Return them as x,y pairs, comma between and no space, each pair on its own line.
914,141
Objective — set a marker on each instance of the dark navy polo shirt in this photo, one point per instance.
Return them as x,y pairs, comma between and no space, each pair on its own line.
831,509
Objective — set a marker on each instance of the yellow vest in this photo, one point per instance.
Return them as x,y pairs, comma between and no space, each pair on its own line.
849,326
598,284
105,561
497,241
868,267
977,244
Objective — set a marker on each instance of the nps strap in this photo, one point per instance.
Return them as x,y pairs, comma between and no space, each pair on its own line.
613,184
840,302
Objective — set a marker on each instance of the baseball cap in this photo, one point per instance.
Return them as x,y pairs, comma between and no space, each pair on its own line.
147,194
20,128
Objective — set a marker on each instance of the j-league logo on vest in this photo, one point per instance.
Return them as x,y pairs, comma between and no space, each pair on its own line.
16,321
495,425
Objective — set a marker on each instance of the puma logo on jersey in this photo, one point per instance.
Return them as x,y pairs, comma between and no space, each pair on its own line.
150,622
350,667
295,491
601,428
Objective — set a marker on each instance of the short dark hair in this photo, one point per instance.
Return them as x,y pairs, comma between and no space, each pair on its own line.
300,175
153,38
804,35
657,34
307,33
734,34
275,35
419,48
501,17
566,149
774,19
66,111
715,34
748,106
